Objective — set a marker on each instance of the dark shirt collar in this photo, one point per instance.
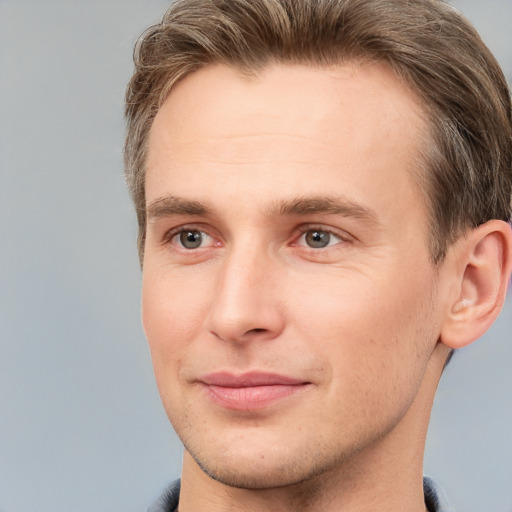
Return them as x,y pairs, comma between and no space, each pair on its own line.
435,498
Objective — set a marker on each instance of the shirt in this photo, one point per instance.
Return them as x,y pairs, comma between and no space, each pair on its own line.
435,498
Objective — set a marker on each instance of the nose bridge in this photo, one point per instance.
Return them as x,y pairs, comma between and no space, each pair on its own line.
245,302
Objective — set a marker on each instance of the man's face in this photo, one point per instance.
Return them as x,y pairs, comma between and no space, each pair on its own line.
288,295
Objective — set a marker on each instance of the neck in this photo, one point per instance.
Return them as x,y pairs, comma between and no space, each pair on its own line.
385,477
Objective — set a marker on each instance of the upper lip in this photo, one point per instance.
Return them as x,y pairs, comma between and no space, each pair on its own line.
249,379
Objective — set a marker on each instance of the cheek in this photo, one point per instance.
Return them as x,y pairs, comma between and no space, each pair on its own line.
376,343
172,316
168,321
370,326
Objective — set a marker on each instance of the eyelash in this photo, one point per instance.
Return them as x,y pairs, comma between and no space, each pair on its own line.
303,230
173,233
300,232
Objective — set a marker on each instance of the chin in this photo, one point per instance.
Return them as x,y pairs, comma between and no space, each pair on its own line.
246,479
258,471
252,478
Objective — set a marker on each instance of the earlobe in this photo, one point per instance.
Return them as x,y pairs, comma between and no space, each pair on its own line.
485,265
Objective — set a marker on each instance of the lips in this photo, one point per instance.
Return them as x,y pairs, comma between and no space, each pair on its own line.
250,391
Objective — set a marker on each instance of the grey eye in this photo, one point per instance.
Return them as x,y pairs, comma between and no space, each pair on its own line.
317,239
191,239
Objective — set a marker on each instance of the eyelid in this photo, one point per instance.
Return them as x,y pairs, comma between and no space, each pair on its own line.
343,236
172,233
207,231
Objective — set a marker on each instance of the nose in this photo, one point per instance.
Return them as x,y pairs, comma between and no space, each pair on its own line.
245,305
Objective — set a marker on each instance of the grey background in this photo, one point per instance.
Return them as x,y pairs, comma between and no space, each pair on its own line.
81,425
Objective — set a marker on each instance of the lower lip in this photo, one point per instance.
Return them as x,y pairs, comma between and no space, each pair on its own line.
251,398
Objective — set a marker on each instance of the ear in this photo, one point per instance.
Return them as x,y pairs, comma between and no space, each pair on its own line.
484,261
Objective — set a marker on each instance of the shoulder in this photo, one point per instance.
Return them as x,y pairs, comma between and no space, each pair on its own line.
168,500
435,499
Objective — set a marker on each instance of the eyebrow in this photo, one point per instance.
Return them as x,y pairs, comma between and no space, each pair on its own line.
327,205
172,205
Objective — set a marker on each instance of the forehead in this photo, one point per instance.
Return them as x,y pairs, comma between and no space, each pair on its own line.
288,123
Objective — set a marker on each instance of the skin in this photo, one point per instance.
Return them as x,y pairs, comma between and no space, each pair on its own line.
254,167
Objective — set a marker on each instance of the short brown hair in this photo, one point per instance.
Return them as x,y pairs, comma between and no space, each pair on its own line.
467,170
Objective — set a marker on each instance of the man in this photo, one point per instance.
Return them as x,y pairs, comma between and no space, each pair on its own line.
323,191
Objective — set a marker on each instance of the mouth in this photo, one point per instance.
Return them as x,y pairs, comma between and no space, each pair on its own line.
250,391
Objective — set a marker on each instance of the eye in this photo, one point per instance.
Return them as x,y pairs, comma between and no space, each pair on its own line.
318,239
192,239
